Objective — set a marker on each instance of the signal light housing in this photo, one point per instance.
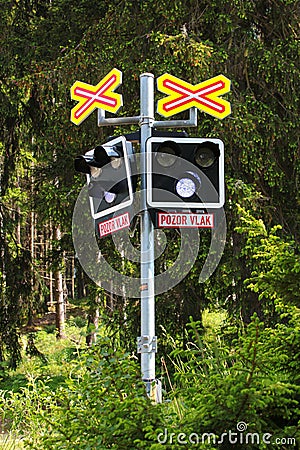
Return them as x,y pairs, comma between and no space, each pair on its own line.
185,173
108,169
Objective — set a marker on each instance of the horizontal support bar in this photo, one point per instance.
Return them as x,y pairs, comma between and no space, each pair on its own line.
191,122
102,121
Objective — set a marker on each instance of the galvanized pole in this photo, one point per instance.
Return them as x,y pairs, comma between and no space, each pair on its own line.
147,340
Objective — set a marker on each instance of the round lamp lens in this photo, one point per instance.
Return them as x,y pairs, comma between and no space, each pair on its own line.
205,157
166,156
109,197
185,187
116,163
95,172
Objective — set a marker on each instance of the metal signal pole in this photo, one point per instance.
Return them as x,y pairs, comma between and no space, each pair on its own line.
147,341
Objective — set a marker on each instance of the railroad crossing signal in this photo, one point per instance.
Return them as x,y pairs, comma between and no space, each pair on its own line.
201,186
101,96
204,96
185,173
111,186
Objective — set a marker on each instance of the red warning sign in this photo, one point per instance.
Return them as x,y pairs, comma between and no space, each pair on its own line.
185,220
204,96
101,96
115,224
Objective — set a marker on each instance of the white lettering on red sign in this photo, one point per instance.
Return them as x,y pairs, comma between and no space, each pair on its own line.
182,220
114,224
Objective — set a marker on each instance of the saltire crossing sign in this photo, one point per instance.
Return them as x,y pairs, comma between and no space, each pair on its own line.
101,96
204,96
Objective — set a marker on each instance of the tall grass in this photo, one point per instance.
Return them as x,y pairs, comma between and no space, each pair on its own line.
10,442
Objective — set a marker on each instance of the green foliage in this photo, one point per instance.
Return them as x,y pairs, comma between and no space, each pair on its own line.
248,370
10,442
46,46
102,404
275,261
100,401
255,381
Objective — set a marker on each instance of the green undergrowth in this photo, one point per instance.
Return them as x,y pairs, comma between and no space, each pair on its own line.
9,441
44,357
79,398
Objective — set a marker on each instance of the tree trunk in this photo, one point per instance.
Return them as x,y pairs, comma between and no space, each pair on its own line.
93,324
59,296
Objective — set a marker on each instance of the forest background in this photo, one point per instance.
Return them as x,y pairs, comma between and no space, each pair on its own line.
248,368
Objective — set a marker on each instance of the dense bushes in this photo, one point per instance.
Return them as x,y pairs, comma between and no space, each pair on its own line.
102,404
255,382
219,394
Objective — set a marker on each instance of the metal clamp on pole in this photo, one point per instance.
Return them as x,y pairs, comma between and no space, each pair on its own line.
147,344
154,390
